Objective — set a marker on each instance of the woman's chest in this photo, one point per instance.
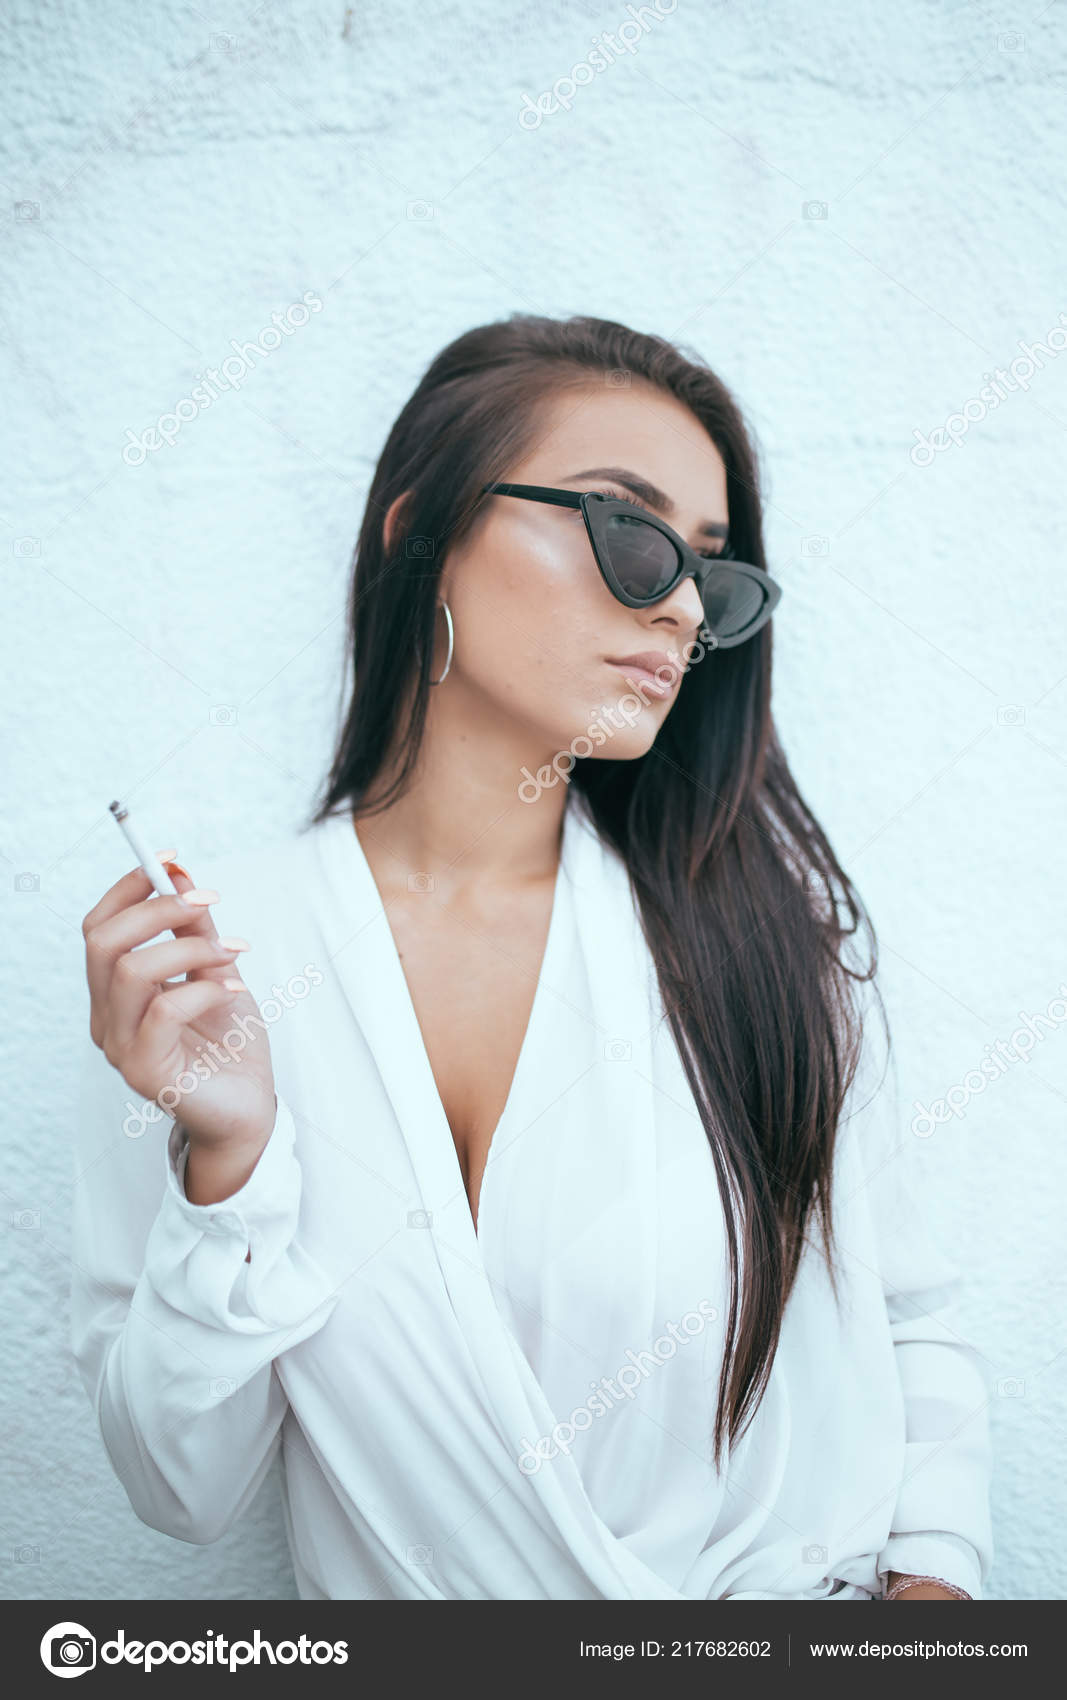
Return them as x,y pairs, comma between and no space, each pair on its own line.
471,972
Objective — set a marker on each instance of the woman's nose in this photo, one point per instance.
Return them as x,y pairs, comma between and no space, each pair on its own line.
683,604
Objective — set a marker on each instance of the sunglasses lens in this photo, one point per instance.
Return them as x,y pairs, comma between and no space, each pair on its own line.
642,559
732,601
646,563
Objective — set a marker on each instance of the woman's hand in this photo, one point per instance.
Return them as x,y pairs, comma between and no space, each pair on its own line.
177,1041
921,1591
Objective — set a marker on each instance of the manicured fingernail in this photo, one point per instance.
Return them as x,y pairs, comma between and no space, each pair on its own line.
234,985
166,855
174,867
200,899
234,944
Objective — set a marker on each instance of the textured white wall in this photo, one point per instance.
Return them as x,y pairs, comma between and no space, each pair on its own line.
173,175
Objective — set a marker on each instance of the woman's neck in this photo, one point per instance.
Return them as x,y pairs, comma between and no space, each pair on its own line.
466,813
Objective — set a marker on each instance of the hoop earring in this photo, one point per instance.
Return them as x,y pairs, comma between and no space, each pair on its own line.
448,659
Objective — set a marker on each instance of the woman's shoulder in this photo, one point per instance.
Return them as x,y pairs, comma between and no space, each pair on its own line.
870,1120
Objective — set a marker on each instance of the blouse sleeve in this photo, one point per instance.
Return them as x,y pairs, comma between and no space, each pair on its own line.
174,1330
941,1523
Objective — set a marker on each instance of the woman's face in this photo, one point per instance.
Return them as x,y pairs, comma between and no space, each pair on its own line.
540,640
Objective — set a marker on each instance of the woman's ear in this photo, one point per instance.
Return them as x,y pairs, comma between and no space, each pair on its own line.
393,521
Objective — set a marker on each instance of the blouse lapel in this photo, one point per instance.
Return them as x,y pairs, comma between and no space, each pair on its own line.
371,977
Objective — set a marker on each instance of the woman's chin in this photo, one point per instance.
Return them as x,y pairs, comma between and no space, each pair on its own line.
615,732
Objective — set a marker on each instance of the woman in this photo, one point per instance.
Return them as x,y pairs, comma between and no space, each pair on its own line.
544,1204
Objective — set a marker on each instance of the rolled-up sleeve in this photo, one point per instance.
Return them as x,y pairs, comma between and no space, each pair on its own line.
941,1523
175,1328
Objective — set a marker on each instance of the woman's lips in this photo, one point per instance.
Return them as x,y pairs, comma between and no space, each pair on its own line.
641,671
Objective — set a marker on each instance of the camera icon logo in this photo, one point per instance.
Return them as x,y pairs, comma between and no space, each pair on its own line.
68,1649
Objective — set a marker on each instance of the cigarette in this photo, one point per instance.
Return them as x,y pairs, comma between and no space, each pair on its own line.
148,859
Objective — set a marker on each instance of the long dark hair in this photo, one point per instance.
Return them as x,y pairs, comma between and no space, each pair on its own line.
741,899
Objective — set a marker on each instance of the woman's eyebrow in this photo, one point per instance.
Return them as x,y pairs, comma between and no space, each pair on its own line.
650,493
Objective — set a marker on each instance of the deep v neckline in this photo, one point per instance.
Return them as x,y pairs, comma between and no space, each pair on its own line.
387,1013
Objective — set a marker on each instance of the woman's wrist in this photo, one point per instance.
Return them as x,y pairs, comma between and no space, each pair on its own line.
902,1584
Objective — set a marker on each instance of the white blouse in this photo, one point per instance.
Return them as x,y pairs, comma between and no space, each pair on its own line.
523,1411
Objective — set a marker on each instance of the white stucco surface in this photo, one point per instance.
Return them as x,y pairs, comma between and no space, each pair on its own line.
855,214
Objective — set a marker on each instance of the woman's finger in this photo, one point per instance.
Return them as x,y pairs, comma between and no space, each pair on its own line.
201,924
138,976
122,930
158,1056
131,888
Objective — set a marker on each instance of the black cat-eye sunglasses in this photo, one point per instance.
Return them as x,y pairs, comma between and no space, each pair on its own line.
641,560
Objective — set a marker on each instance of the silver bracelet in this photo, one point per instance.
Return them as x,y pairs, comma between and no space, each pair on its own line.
913,1581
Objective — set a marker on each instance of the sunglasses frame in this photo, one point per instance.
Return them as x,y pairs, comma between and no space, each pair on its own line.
597,508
